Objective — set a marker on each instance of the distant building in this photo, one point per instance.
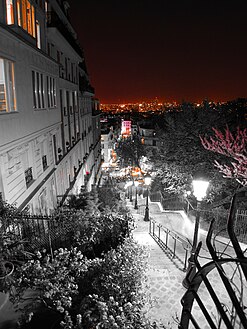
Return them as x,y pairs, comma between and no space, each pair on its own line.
49,132
110,132
107,144
126,128
147,134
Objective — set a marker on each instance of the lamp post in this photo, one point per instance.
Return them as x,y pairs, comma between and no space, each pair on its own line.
136,185
147,180
131,184
200,186
127,188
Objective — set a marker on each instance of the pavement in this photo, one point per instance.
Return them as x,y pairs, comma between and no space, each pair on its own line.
164,278
165,274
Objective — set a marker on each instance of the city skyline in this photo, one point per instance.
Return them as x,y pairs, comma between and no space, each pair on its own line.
137,50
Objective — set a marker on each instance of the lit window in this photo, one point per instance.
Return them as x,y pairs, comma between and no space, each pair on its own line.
10,12
33,22
26,16
7,86
29,18
19,12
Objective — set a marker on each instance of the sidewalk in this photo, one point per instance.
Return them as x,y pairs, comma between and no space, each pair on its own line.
164,278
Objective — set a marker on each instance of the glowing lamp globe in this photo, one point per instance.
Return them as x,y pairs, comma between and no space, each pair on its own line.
147,179
200,187
129,183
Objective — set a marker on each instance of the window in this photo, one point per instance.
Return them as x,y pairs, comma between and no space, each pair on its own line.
33,22
68,103
74,101
63,102
10,11
51,91
38,90
29,176
72,72
26,16
28,169
50,49
41,4
7,86
29,18
18,12
38,34
44,157
58,57
54,139
44,162
66,68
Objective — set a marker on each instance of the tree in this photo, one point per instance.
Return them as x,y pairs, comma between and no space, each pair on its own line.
130,151
181,152
171,180
180,136
232,147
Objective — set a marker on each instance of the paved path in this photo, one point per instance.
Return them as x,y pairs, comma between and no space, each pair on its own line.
165,275
164,278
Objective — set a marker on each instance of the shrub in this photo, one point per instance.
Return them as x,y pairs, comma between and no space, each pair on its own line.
98,293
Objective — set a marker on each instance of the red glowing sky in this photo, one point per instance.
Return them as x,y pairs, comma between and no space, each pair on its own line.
173,50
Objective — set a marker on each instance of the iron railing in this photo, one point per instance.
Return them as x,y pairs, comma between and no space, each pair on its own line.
206,216
173,244
38,232
225,273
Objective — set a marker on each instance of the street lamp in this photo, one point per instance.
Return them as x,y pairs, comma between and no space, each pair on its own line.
136,184
200,186
147,180
126,187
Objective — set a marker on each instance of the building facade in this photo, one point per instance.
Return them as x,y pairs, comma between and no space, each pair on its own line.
46,102
147,134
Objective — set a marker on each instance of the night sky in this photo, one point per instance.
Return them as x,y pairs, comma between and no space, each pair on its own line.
137,50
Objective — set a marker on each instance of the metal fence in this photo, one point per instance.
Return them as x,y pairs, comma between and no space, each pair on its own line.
38,232
220,218
223,279
172,203
219,215
174,244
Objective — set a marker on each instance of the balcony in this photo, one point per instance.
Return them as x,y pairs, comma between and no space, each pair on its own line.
54,21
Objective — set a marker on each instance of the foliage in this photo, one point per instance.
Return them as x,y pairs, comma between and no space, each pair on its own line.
101,199
101,224
12,247
54,280
94,233
130,151
118,296
233,147
171,180
78,201
63,284
180,137
181,153
109,198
